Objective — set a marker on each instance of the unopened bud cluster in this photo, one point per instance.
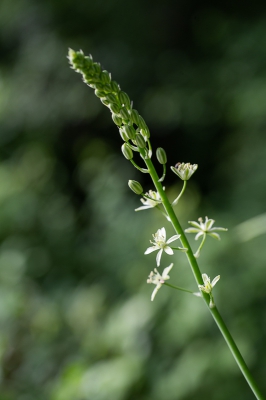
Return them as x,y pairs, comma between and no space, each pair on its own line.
131,125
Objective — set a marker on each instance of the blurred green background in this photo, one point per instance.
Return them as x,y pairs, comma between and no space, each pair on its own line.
76,318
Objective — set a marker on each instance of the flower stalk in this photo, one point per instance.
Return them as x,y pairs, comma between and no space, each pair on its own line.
133,128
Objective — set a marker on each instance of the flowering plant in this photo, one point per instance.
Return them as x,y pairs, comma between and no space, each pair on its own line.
136,137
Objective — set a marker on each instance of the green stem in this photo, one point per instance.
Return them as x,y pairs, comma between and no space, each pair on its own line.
197,275
145,171
178,288
180,194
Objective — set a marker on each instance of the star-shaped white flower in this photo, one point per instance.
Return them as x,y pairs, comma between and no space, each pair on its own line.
184,171
158,279
160,243
154,200
203,229
208,286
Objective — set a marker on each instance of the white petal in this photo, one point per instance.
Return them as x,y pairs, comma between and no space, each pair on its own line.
175,237
195,224
208,223
168,250
158,257
151,249
143,208
192,230
205,278
215,280
214,235
166,271
162,232
218,229
198,235
155,291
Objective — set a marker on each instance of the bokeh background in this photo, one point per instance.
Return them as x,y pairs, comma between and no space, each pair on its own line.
76,320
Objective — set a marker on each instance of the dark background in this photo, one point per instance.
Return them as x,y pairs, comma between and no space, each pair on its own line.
76,318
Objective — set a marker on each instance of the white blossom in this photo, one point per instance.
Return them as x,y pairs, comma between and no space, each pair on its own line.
158,279
204,228
184,171
160,243
154,200
208,286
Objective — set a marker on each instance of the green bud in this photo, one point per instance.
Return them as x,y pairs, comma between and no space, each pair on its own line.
111,98
115,87
145,132
127,152
117,120
141,123
88,61
124,99
130,131
114,108
98,85
123,134
99,93
140,141
124,114
134,115
161,155
135,187
97,68
105,77
104,101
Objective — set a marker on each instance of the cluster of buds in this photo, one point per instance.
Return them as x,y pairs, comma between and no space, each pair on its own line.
132,126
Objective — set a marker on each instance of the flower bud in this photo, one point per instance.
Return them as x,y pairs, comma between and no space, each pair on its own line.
127,152
88,61
99,93
161,155
105,77
96,68
124,114
98,85
104,101
111,98
130,131
135,187
134,115
115,87
123,134
114,108
117,120
141,123
124,99
145,132
140,141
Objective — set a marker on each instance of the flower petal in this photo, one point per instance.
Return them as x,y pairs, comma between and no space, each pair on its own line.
192,230
215,280
155,291
195,224
205,278
158,257
198,235
165,275
214,235
162,232
151,249
171,239
208,223
143,208
168,250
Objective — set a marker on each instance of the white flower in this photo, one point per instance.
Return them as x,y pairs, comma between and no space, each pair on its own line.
204,228
184,171
154,200
161,244
208,286
158,279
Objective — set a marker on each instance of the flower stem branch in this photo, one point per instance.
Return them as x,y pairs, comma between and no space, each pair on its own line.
178,288
180,194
